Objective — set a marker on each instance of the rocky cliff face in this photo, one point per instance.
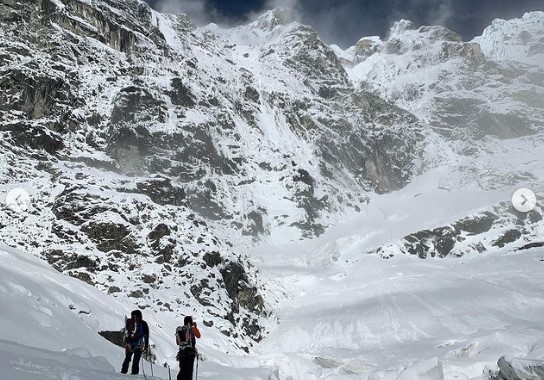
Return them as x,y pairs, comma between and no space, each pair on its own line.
480,103
499,227
156,152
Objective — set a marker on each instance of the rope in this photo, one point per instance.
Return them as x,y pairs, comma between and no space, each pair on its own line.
143,369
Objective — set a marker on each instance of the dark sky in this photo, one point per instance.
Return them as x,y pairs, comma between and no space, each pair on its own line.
344,21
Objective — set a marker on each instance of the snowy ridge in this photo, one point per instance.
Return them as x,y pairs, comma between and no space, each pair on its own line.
267,28
471,100
517,40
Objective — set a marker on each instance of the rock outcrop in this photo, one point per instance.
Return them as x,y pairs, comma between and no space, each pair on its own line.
520,369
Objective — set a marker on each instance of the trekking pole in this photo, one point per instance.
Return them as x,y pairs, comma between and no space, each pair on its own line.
150,358
197,355
169,373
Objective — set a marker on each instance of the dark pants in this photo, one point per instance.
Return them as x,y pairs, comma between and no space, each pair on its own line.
186,364
135,363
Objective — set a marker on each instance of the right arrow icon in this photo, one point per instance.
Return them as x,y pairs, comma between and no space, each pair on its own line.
524,200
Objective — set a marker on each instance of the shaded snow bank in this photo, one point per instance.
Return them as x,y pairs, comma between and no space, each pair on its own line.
18,362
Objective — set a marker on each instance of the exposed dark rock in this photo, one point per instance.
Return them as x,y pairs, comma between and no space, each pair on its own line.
203,199
77,208
110,236
149,278
114,289
304,177
532,245
116,337
180,94
129,140
490,225
82,262
164,254
104,27
128,147
135,104
304,196
509,236
202,293
437,242
256,225
477,225
85,277
161,191
136,294
36,94
252,328
238,289
159,232
34,137
212,259
251,94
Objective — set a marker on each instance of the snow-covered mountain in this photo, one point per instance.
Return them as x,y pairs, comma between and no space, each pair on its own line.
151,148
168,165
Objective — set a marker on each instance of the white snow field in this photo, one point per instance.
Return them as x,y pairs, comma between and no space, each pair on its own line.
343,313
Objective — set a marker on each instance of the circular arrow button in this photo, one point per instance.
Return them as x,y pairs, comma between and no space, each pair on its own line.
524,200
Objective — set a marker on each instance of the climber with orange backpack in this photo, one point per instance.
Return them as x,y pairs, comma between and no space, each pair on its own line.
186,340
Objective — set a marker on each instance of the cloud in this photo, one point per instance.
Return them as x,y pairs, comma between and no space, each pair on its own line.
271,4
442,14
195,9
344,22
202,12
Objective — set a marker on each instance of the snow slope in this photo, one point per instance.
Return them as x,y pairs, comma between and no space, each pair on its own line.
345,312
50,325
342,316
374,318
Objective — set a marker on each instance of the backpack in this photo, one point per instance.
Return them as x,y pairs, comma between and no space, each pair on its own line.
134,334
187,341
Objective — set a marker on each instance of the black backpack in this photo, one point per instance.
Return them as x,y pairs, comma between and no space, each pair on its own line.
135,334
186,340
